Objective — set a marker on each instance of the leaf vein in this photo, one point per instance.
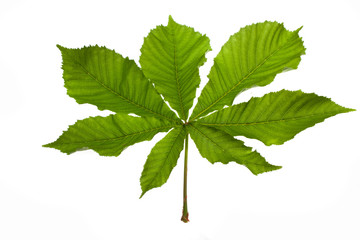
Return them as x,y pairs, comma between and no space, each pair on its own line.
177,74
267,122
240,81
117,138
122,97
167,156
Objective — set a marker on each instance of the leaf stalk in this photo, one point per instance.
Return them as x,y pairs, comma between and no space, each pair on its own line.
185,213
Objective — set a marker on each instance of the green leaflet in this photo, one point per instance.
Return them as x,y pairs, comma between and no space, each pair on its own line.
218,146
274,118
104,78
162,159
170,57
251,57
110,135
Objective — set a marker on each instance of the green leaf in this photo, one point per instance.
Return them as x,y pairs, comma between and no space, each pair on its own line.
104,78
171,57
110,135
251,57
274,118
218,146
162,159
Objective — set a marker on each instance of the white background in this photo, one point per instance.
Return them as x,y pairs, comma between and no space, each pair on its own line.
45,194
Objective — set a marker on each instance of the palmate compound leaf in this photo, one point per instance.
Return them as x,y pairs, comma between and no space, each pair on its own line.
104,78
251,57
110,135
274,118
218,146
170,57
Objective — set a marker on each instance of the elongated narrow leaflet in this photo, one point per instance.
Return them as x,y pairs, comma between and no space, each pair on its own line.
162,159
110,135
104,78
170,58
274,118
218,146
251,57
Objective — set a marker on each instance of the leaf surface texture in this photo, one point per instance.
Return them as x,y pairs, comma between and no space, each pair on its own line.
162,159
251,57
171,57
110,135
274,118
104,78
218,146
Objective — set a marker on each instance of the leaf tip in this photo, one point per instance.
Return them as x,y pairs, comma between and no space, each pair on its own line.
51,145
298,30
171,21
277,167
61,48
343,109
268,168
142,194
274,167
350,110
47,145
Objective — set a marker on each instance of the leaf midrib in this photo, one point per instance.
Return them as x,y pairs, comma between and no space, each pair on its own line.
167,156
118,95
224,150
241,80
204,135
268,122
177,75
118,138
